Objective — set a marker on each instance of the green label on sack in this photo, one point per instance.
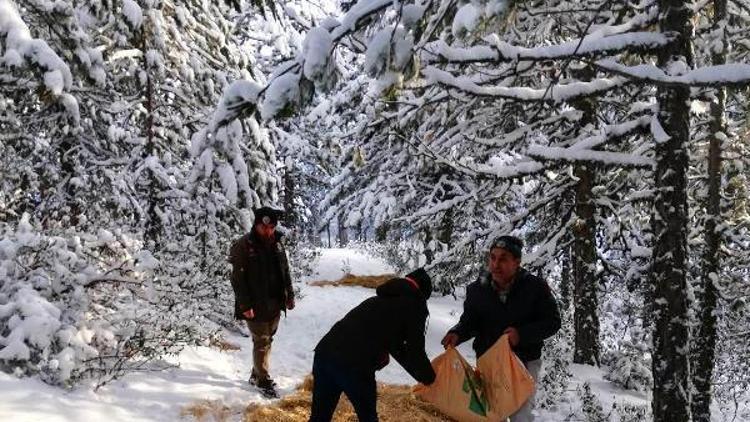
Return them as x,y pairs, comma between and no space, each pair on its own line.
478,403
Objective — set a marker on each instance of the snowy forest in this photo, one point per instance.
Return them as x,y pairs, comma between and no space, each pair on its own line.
613,137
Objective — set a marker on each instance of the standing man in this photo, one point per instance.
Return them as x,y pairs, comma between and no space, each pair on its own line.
262,289
509,300
392,322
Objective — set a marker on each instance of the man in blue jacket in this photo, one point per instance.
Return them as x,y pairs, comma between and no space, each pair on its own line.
509,300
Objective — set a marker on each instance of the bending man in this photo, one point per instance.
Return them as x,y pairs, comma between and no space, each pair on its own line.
393,322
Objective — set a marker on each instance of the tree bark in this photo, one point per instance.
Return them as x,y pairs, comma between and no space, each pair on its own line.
585,285
343,232
565,281
705,336
152,219
381,232
290,211
670,362
445,233
72,209
428,253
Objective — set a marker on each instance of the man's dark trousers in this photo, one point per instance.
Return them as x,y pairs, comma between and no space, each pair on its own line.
330,379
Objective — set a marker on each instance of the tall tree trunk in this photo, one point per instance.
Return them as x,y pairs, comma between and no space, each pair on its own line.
313,230
152,218
204,242
429,254
705,335
670,362
565,280
72,209
343,232
290,211
381,232
445,234
585,284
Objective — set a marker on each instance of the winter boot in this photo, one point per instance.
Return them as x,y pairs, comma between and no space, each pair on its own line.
266,386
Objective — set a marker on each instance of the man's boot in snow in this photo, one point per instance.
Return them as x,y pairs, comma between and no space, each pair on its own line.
266,386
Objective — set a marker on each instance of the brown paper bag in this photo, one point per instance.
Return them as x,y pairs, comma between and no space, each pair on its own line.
456,391
499,387
507,383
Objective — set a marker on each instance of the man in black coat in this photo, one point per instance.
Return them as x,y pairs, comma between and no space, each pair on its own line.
262,289
392,322
509,300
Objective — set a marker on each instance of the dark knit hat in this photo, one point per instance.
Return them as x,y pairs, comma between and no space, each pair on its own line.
511,244
261,213
423,280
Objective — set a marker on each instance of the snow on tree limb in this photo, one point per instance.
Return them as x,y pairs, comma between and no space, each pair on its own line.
582,148
520,133
555,94
20,45
505,171
311,63
732,74
610,132
497,50
361,10
571,154
239,95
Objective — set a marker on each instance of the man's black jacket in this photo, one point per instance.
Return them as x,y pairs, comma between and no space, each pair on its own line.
529,307
393,322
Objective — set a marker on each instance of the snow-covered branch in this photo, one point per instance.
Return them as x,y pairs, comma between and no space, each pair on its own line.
572,154
523,131
732,74
20,46
497,50
554,94
582,149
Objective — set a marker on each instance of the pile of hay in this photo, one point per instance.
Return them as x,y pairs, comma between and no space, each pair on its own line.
396,403
207,410
369,281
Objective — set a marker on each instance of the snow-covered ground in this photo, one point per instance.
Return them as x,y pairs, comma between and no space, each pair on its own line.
209,374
